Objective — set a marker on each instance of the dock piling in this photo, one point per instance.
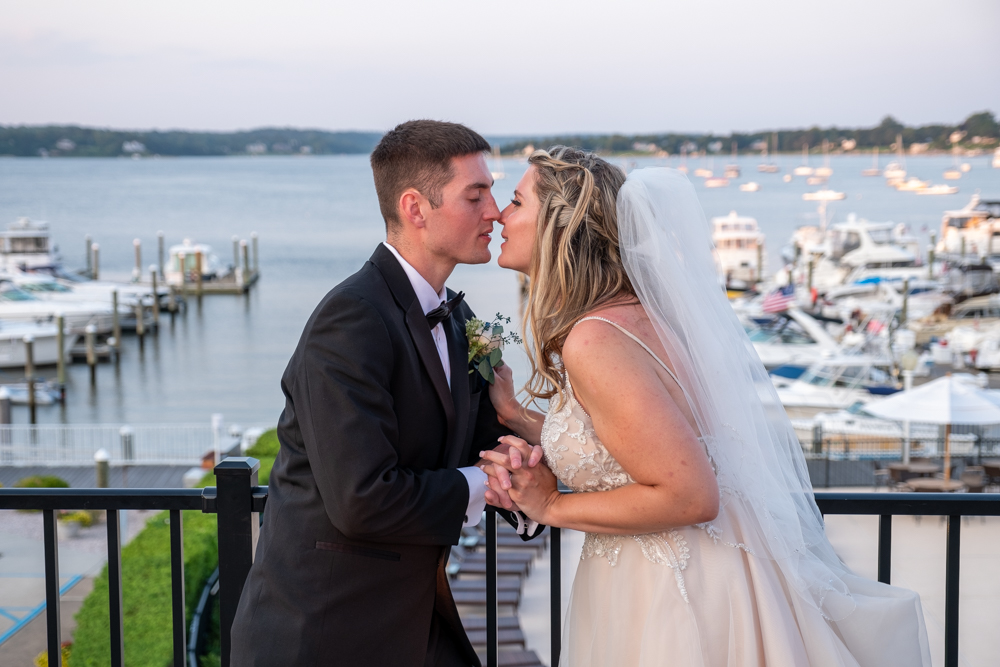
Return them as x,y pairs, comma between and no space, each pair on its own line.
140,321
182,259
95,268
90,333
236,252
87,254
172,300
256,256
137,271
156,298
101,463
5,410
29,375
246,260
198,268
116,323
159,251
61,355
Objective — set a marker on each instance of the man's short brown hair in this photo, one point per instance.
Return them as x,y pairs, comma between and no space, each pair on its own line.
417,154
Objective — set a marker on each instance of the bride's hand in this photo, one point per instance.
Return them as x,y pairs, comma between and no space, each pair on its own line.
502,394
534,488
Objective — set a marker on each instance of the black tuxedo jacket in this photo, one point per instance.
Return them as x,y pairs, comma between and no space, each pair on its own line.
364,497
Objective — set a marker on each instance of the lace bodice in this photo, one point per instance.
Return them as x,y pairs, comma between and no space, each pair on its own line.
580,460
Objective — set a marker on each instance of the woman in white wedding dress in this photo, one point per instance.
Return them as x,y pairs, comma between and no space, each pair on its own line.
704,546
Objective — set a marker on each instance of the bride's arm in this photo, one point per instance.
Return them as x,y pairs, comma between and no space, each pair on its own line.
644,429
526,423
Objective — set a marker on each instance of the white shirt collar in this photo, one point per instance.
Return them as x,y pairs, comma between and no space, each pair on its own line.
428,298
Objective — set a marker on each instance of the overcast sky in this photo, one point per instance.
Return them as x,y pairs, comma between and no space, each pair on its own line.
508,67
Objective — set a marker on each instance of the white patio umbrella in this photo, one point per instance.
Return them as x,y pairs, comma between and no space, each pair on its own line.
947,401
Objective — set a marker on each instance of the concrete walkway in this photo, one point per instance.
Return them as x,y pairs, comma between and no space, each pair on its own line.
22,577
918,563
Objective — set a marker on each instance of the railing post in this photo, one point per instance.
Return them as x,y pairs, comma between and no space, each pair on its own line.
178,605
884,547
54,633
951,582
115,608
238,529
492,638
555,593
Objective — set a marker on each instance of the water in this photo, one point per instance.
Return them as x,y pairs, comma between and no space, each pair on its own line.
318,221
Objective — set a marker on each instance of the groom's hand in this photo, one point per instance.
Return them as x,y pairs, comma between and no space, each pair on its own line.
498,481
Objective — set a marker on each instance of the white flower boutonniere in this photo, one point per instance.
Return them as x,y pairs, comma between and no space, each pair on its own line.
486,341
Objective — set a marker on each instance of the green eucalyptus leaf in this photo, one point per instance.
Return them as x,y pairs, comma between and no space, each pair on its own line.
495,356
492,378
497,330
485,369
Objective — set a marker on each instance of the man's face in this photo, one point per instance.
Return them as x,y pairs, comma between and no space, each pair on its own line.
459,230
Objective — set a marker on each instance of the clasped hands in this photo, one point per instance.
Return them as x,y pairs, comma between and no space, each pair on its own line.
516,481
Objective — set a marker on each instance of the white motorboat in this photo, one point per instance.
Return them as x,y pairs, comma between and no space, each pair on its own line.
792,338
26,245
938,190
716,182
739,248
996,158
971,229
701,172
45,348
182,265
16,305
823,195
856,250
835,384
751,186
912,184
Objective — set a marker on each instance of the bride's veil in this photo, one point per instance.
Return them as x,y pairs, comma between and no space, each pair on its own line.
666,247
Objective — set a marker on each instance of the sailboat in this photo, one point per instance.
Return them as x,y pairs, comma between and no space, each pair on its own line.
497,173
955,172
804,169
684,161
825,171
873,170
769,167
732,170
895,172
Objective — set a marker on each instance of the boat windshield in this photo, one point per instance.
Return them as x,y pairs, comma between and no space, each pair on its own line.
11,293
45,287
787,333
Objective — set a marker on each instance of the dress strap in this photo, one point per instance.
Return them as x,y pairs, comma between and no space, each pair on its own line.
638,340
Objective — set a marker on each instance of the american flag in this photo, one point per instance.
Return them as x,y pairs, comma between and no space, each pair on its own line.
779,300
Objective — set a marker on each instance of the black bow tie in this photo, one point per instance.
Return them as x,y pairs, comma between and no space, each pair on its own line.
443,312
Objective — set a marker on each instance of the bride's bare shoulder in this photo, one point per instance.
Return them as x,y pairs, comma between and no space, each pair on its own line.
597,345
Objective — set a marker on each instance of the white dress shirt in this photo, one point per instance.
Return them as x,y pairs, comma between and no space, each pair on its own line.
429,300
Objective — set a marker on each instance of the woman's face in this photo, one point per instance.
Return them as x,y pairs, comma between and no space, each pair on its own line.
520,220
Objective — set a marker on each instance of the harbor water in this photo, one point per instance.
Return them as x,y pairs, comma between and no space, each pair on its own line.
318,221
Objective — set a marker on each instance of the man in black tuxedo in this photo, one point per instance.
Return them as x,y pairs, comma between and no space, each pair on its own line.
377,471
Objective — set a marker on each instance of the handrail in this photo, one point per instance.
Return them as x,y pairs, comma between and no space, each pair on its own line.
883,505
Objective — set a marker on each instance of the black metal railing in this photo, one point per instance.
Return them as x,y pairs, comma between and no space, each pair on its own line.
883,505
237,500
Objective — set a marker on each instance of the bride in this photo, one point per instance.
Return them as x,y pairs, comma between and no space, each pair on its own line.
704,545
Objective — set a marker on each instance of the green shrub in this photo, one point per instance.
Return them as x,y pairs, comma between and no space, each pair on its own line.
82,517
41,482
146,594
266,446
146,597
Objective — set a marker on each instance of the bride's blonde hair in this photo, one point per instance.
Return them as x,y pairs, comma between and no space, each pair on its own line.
576,265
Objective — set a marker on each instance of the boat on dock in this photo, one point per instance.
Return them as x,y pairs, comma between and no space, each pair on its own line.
16,305
835,384
739,249
971,230
790,338
45,346
182,269
26,245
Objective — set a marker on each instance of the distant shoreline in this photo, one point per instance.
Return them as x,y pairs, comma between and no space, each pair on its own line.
980,132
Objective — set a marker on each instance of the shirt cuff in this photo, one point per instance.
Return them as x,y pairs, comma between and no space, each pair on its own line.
476,480
525,526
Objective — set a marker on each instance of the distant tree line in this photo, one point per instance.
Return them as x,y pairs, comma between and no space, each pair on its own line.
978,130
53,140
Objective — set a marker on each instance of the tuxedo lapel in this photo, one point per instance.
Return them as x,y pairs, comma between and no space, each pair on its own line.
420,332
458,354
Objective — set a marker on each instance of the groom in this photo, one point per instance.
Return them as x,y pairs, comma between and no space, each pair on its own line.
376,475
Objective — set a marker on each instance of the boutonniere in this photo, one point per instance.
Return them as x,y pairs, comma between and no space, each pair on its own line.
486,341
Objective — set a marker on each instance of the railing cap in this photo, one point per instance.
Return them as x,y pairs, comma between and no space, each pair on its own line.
237,465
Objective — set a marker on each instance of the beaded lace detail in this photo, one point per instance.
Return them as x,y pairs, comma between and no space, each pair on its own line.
580,460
